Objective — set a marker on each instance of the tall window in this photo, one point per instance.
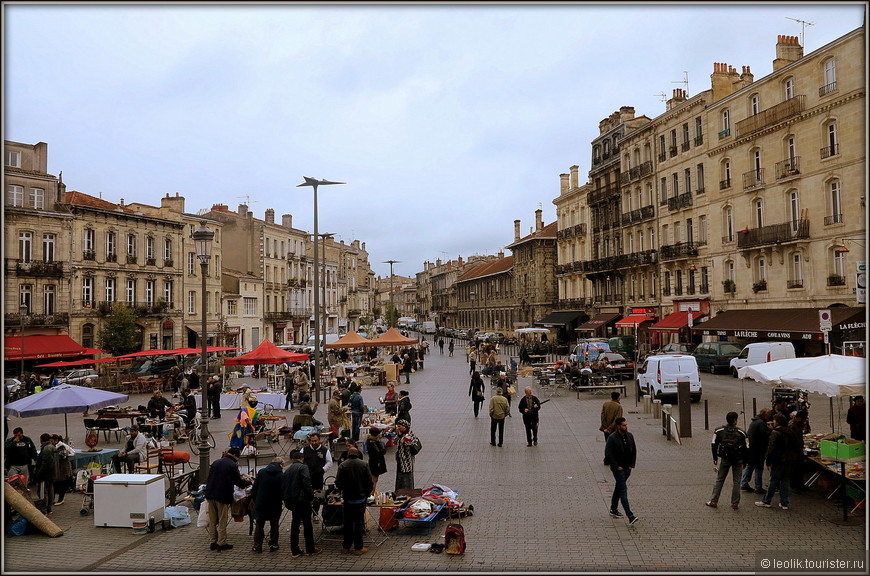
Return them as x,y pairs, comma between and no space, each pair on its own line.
110,289
729,224
149,247
48,245
131,244
839,264
130,290
25,296
15,196
167,290
191,264
89,240
797,271
13,158
678,232
675,178
702,229
729,270
167,249
754,104
699,173
88,291
110,244
789,88
687,180
664,190
25,246
761,270
686,134
37,198
834,195
832,139
232,307
49,298
191,302
794,208
250,306
699,130
690,231
756,163
830,71
726,122
759,213
149,292
791,145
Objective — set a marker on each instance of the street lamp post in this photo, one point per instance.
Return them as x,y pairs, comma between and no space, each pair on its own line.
321,349
314,183
202,240
391,262
22,312
473,309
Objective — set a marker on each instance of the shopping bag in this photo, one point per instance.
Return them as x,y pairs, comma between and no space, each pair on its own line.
202,516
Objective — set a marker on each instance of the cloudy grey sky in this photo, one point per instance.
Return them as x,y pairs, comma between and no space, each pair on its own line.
447,122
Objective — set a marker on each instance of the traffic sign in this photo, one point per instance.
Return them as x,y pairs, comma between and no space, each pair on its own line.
825,320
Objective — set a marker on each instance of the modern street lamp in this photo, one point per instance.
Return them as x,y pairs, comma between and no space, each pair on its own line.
202,240
314,183
391,262
321,350
473,309
22,312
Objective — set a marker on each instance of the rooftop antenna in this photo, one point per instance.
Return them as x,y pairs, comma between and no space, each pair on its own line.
804,25
663,96
248,200
684,82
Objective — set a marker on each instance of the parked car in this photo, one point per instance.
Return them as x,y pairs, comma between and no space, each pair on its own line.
462,334
495,337
14,388
622,366
713,356
677,348
658,375
78,377
154,366
761,352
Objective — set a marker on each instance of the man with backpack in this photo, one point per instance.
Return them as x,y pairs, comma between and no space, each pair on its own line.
729,453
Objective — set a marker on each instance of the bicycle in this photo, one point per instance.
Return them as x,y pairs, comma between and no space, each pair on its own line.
194,436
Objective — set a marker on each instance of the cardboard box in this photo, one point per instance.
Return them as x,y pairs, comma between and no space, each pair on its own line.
843,449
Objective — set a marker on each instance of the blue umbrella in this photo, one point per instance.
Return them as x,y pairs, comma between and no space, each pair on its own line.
63,399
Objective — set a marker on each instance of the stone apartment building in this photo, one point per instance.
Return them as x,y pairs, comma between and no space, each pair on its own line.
242,309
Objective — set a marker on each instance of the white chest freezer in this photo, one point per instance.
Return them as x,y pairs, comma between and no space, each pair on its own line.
122,499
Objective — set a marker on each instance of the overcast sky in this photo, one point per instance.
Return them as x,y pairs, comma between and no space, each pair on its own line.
447,122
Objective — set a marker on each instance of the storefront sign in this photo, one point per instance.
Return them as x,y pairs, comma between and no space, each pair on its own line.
233,330
762,334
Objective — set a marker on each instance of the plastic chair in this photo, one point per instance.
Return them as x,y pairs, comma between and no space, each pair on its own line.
107,425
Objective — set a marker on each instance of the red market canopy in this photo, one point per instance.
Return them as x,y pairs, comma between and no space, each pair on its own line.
209,350
39,347
392,338
674,322
266,353
351,340
154,352
64,364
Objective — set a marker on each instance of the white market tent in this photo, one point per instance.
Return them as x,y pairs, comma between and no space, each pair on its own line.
832,375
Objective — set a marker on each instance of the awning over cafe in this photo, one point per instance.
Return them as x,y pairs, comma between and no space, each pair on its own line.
38,347
780,323
674,322
562,318
634,320
597,322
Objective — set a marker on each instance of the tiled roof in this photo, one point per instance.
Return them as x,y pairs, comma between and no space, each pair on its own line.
88,201
547,232
488,269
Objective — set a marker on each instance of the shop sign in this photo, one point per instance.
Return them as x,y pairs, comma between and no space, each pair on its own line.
233,330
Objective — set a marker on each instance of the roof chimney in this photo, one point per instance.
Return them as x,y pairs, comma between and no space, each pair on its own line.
173,204
270,215
563,184
788,50
287,220
243,210
539,222
721,81
575,181
678,98
516,230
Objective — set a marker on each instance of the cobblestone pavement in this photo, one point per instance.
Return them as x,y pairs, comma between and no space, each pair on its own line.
536,509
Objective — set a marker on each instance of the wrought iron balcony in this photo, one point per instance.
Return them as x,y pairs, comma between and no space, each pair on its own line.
39,268
681,201
704,288
788,167
724,133
684,147
753,179
773,115
44,320
672,151
89,255
725,184
774,234
833,219
829,151
828,88
836,280
111,257
699,140
678,250
795,284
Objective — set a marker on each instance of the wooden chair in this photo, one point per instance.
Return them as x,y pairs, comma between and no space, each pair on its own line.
152,463
170,458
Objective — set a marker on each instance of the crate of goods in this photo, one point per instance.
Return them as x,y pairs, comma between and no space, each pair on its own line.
841,448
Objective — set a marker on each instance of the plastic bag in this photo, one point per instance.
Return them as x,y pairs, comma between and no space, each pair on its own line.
202,517
178,515
19,527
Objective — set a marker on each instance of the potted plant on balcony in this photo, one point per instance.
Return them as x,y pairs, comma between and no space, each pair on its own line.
759,286
836,280
730,286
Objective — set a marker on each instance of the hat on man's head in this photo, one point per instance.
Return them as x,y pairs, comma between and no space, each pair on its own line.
134,427
403,422
235,451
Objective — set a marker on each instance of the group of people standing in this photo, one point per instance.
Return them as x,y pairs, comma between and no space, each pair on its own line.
49,469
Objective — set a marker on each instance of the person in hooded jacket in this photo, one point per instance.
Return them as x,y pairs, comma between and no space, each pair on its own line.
268,495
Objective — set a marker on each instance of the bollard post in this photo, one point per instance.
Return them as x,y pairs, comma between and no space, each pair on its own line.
657,408
706,415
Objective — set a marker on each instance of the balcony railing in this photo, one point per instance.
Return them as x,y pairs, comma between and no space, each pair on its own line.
111,257
795,284
833,219
681,201
836,280
753,179
684,146
788,167
699,140
772,115
724,133
39,268
829,151
132,259
57,319
729,239
725,184
828,88
679,250
704,288
700,190
666,291
151,262
672,151
774,234
89,255
168,263
663,156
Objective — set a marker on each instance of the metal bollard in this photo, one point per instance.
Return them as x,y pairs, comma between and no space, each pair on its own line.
657,408
647,404
706,415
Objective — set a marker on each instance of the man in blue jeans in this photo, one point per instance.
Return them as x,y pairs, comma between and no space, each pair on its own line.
621,452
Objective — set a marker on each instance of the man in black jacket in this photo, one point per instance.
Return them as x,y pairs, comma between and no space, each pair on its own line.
621,453
267,495
758,435
223,475
729,454
318,458
213,393
298,496
354,479
780,455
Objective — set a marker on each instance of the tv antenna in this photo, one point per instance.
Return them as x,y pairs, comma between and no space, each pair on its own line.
684,82
663,96
248,200
804,25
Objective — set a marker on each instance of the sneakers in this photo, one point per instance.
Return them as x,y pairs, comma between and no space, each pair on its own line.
360,552
615,514
710,503
747,488
783,507
633,520
59,503
315,552
762,505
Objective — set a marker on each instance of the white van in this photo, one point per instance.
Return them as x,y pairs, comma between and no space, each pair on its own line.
427,327
761,352
330,339
659,374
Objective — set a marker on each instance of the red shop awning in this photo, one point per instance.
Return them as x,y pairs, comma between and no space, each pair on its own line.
634,320
673,322
40,347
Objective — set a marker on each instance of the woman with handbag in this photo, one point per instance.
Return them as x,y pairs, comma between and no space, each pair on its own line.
476,391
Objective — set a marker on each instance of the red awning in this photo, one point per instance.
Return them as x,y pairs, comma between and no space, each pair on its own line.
597,322
634,320
40,347
673,322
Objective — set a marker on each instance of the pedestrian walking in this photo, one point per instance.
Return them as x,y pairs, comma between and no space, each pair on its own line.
610,411
267,495
729,454
223,476
64,481
407,366
298,498
355,482
758,435
289,385
441,345
357,405
529,406
407,448
472,359
403,408
621,453
450,347
498,411
780,454
377,456
477,391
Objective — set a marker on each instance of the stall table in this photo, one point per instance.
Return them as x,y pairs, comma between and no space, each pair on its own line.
83,457
234,401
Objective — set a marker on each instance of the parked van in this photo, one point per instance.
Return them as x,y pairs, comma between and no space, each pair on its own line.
427,327
659,374
588,350
761,352
712,356
623,345
330,339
